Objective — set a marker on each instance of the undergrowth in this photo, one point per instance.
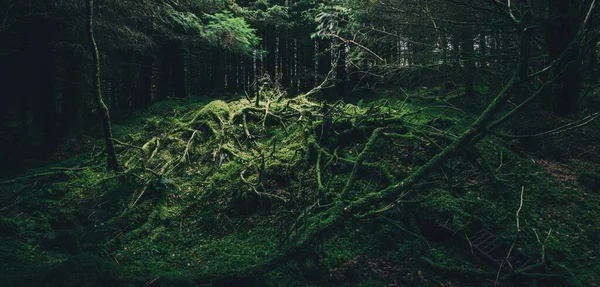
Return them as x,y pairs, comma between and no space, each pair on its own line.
213,188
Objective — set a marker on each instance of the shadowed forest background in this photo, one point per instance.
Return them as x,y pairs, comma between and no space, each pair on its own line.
299,143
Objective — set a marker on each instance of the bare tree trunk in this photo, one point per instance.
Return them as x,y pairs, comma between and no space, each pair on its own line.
113,162
562,27
468,62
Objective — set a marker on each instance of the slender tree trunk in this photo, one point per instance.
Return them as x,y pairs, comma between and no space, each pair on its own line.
73,102
443,46
456,50
308,78
113,162
468,62
178,58
483,50
144,85
593,60
270,59
122,100
218,71
324,65
284,56
341,83
560,30
164,90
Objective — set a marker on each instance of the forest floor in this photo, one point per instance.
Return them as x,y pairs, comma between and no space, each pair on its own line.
214,187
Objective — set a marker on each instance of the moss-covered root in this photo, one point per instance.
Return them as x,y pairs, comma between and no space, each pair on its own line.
247,276
359,161
342,210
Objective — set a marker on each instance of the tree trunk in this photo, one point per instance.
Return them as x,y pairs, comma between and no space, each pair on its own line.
73,102
468,62
341,83
164,74
562,27
218,71
483,51
270,61
284,56
455,50
307,79
113,162
593,60
324,65
143,89
122,100
178,58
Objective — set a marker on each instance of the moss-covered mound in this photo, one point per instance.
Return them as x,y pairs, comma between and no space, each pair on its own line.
229,192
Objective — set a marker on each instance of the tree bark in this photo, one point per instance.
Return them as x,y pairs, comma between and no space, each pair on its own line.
341,83
561,29
324,66
217,71
143,89
113,162
178,58
73,103
468,62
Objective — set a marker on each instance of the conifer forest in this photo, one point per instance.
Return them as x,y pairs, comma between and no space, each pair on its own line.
299,143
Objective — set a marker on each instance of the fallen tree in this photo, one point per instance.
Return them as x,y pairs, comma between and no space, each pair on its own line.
344,209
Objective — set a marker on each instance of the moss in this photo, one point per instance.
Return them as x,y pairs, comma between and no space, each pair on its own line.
24,265
84,270
63,240
214,111
198,219
8,227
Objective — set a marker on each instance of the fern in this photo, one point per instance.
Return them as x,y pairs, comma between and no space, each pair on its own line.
230,32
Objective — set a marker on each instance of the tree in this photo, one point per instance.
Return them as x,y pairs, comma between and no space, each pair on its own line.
102,109
561,28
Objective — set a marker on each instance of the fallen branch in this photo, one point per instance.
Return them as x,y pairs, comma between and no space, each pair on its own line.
519,210
322,85
359,161
562,129
28,177
456,270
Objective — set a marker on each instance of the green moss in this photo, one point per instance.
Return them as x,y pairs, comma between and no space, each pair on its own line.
24,265
213,111
84,270
200,219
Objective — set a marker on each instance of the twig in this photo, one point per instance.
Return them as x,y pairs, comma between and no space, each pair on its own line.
318,169
543,244
247,97
126,144
246,131
43,174
151,281
149,181
187,148
357,44
322,85
267,105
506,259
519,210
359,161
469,240
559,130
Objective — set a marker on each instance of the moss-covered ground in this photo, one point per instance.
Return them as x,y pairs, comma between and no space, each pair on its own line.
214,187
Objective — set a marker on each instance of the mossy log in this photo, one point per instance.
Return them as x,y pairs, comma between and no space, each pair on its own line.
342,210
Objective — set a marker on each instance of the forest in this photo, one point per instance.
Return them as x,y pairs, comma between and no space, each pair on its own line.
299,143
